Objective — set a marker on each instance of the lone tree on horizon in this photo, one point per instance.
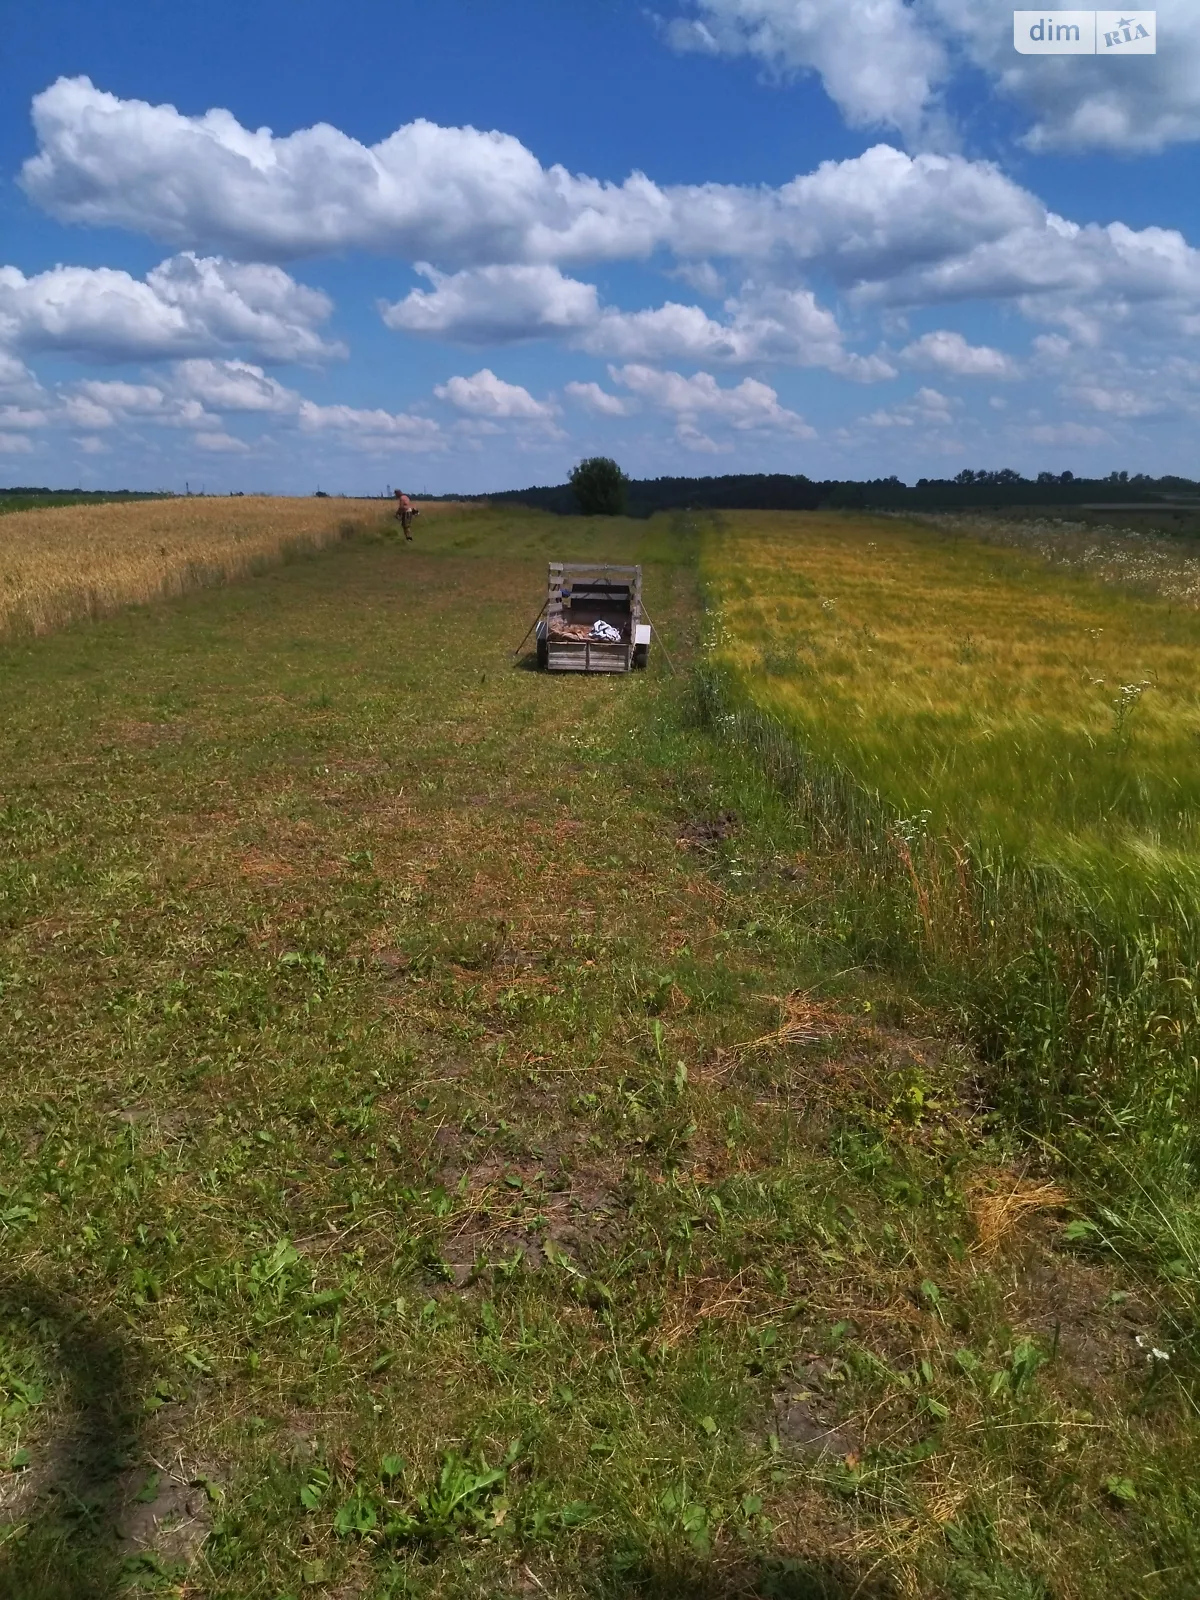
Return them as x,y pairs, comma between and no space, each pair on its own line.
599,486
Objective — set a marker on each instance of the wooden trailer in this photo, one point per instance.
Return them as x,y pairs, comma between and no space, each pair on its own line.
580,595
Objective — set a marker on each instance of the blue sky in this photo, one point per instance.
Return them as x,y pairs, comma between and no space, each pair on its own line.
460,246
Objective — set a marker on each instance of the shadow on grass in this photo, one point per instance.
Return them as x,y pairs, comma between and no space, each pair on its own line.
65,1543
766,1578
66,1549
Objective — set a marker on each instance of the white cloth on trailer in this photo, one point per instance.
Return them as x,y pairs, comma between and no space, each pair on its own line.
606,631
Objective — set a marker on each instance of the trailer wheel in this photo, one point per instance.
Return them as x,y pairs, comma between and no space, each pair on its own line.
641,653
543,655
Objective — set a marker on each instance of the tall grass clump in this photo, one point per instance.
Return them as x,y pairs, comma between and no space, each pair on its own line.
60,564
1003,758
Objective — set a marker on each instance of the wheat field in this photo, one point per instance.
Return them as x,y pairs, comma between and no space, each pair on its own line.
60,564
999,745
983,691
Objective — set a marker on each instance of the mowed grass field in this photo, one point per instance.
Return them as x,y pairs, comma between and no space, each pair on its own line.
447,1149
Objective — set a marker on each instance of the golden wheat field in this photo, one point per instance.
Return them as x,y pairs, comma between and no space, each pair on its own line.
982,691
67,562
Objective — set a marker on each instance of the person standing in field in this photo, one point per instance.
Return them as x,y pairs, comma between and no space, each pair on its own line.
405,512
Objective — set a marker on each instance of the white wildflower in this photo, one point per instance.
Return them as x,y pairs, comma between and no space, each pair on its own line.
1153,1353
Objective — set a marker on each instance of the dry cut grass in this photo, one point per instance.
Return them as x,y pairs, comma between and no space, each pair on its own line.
60,564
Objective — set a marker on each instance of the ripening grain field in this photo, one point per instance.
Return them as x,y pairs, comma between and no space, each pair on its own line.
975,688
1006,748
63,563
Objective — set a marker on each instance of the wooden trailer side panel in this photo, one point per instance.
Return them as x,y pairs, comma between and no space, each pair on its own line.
588,657
592,655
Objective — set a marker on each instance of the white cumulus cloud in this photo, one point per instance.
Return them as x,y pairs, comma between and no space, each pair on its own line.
1067,433
912,229
1098,282
1113,402
877,62
668,332
1081,102
426,192
502,303
749,404
928,408
142,399
693,438
372,430
97,403
82,412
490,305
22,417
701,276
233,386
764,324
456,195
486,395
17,382
887,63
220,444
186,306
946,351
593,398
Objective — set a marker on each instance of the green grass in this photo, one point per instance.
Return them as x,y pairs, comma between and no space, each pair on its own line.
443,1153
69,497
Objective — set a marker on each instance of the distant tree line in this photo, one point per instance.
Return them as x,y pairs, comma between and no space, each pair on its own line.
777,491
95,494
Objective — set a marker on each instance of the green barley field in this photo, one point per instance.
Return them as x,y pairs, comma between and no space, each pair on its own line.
999,726
465,1132
976,687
